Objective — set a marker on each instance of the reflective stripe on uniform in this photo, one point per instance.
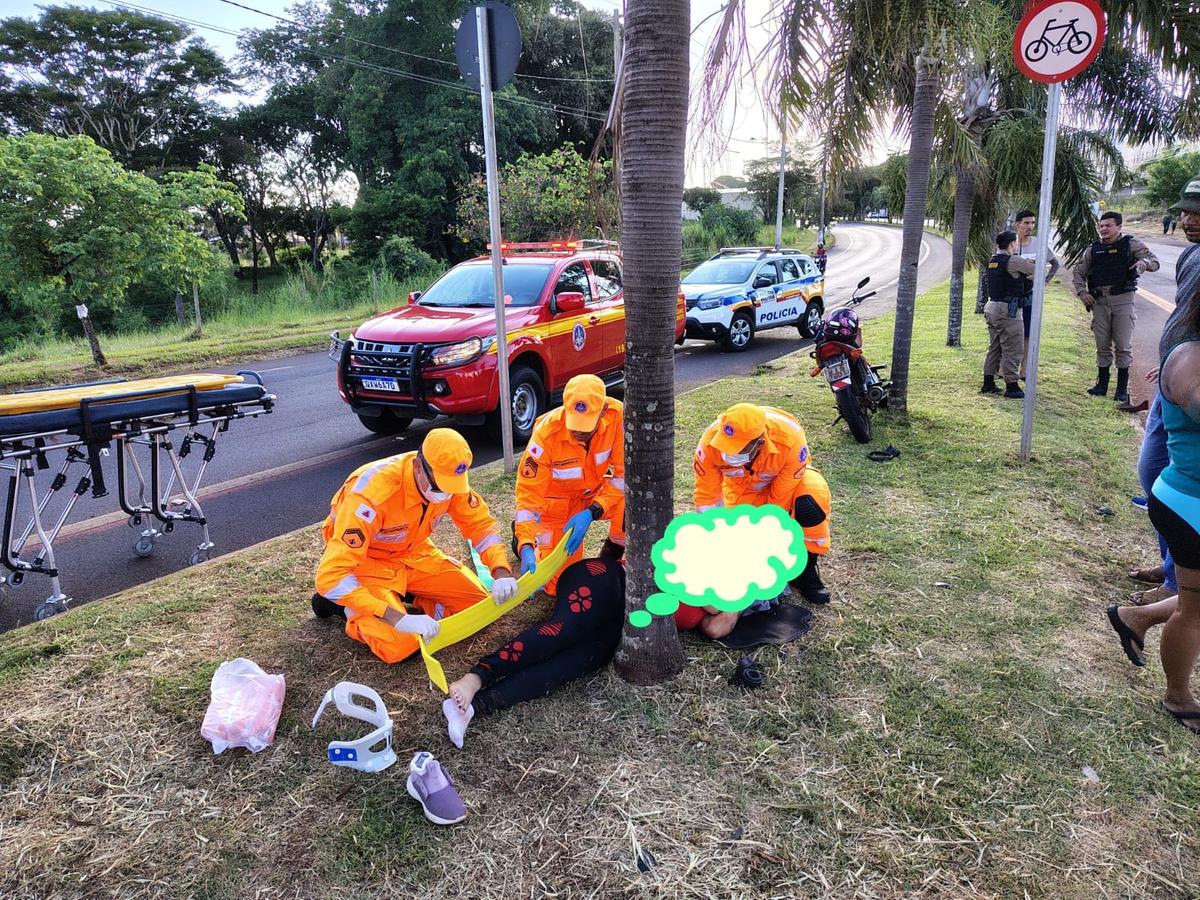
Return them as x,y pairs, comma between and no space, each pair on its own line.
567,474
602,457
490,541
342,588
618,483
528,515
365,478
390,538
545,538
710,506
784,420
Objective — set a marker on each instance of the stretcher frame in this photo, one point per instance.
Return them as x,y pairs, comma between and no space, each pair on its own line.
23,455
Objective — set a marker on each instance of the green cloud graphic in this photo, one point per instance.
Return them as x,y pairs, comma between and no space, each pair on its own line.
684,557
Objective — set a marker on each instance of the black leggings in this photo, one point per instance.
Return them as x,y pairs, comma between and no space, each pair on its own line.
580,636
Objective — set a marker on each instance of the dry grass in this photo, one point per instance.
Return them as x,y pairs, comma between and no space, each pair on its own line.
927,738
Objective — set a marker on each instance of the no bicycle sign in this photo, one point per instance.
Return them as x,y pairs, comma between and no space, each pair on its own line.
1058,40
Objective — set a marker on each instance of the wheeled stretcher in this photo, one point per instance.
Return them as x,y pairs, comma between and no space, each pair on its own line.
82,422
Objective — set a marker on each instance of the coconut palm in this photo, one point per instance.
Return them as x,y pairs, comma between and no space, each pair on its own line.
654,105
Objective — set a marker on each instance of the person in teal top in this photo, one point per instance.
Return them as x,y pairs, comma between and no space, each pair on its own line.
1174,506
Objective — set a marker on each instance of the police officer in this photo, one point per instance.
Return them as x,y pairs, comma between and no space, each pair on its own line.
1010,285
1106,280
1024,223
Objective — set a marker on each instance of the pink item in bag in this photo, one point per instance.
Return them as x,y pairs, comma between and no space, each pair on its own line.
245,707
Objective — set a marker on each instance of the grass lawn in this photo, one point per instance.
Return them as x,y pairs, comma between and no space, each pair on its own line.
929,737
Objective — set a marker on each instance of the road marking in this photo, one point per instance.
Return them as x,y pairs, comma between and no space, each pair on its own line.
276,369
1156,300
98,523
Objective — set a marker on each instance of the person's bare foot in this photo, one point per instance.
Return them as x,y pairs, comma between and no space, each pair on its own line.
719,625
1148,575
463,691
1186,712
1151,595
1134,624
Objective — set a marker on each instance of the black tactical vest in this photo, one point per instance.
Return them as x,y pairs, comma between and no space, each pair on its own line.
1111,267
1001,285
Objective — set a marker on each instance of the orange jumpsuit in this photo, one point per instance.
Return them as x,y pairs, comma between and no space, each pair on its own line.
377,550
560,477
780,474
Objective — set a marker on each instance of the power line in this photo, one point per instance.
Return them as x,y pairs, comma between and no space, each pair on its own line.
545,106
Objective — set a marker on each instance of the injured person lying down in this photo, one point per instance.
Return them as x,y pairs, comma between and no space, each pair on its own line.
580,637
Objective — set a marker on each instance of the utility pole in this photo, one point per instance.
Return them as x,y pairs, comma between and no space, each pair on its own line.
779,192
618,41
824,177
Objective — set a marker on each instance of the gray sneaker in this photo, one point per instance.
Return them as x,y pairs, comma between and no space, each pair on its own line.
431,786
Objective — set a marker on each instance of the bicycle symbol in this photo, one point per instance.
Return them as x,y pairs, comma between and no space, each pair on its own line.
1070,39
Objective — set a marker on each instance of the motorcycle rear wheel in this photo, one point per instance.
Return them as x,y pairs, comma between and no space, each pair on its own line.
852,411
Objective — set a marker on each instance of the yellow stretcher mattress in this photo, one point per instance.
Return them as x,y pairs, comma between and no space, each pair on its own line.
66,398
475,618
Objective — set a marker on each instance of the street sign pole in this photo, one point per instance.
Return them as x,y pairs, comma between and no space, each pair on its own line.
493,192
1049,147
779,192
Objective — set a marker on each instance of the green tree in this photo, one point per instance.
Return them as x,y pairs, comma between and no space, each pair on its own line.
136,84
799,186
652,153
78,228
701,198
550,196
1167,175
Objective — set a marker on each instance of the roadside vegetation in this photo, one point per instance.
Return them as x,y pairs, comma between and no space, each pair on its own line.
960,722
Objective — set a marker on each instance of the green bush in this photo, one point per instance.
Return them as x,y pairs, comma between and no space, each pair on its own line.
729,226
293,258
401,258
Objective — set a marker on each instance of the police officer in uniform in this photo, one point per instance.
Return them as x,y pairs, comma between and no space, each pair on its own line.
1106,281
1010,285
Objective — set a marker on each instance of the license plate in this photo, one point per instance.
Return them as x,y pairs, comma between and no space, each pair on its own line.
381,384
838,370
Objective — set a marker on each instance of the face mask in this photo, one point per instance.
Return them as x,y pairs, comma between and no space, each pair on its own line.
373,751
737,459
436,496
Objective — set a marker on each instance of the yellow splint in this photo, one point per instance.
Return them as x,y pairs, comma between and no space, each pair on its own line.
65,398
479,616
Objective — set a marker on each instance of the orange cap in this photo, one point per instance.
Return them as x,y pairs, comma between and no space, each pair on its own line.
583,399
448,457
738,426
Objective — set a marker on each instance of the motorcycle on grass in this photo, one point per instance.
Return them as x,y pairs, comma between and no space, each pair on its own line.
857,386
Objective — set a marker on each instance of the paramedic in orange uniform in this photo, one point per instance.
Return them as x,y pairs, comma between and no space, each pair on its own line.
378,551
759,455
573,473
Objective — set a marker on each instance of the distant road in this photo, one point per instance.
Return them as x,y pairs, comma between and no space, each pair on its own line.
277,473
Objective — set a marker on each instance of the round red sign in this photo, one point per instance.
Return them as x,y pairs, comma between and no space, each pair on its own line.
1058,39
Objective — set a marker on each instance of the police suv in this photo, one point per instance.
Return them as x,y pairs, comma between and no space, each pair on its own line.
743,290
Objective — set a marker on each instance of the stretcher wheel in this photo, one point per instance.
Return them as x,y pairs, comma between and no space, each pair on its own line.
143,546
198,557
50,607
135,521
16,578
168,527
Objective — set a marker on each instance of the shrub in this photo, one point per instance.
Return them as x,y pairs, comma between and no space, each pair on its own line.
401,258
730,226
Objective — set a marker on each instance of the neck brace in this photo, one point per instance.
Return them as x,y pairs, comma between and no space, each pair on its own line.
360,754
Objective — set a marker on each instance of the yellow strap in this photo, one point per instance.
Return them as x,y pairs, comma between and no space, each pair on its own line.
65,398
479,616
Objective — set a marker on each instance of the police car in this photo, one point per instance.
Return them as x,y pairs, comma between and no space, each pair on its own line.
742,290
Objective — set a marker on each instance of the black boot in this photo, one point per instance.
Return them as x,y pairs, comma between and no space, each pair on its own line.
1100,388
989,385
1013,391
611,551
809,584
1122,394
323,608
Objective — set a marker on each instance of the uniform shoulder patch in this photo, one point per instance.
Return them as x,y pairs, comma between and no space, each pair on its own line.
697,467
366,512
529,468
353,538
535,450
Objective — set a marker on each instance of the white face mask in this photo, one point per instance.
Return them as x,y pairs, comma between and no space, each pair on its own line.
359,754
737,459
436,496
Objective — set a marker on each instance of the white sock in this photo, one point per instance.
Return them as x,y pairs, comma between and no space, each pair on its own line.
456,720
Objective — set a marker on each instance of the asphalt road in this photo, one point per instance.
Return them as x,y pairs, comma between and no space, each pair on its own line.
276,473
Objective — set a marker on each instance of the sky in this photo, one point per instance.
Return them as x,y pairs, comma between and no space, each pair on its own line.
750,129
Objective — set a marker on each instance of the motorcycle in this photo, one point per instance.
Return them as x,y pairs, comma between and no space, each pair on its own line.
858,389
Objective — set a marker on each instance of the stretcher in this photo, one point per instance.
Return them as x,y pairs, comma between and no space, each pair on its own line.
479,616
83,422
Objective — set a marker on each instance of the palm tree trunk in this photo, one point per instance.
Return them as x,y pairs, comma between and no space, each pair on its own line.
964,197
654,116
916,194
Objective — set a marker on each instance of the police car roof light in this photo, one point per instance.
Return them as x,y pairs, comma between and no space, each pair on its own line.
571,246
761,251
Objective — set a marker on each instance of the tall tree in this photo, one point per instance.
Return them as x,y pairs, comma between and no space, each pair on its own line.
136,84
651,163
799,185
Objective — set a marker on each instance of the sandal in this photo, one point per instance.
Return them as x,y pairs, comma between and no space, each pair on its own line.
883,455
1129,638
1151,595
1183,717
1151,575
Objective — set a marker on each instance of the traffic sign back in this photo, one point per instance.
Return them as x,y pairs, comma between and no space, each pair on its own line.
1058,39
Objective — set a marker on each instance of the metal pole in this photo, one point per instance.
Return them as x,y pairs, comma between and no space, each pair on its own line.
821,223
493,189
1039,280
779,193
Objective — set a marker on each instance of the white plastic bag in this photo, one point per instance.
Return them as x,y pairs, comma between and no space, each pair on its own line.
245,707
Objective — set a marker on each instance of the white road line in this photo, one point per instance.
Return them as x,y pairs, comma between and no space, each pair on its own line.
276,369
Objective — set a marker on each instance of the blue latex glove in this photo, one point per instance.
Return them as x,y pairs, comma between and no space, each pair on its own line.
528,560
578,525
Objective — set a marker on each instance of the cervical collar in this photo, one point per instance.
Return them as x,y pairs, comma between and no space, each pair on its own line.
360,754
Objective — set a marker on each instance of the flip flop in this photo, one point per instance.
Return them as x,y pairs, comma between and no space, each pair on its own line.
1150,595
1129,638
1184,717
1150,575
883,455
